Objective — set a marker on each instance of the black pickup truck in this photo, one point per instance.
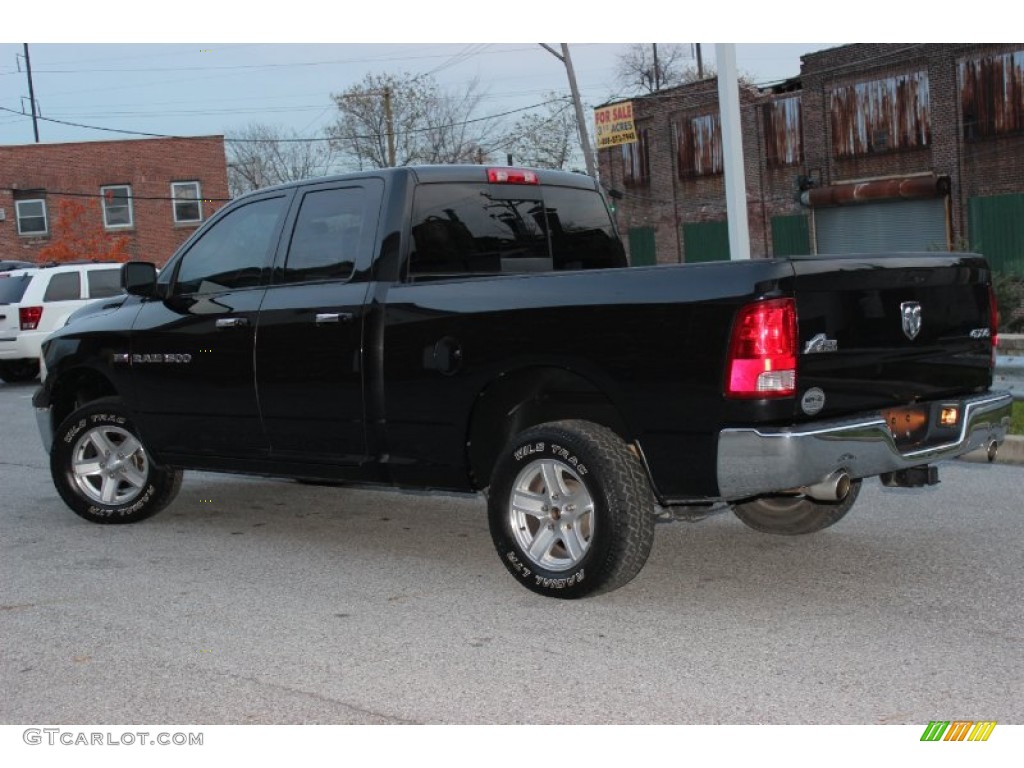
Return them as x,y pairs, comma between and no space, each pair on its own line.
478,329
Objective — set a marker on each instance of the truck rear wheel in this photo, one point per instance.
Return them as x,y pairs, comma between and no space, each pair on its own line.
571,510
102,470
794,515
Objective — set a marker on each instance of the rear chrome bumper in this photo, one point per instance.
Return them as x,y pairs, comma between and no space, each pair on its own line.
768,460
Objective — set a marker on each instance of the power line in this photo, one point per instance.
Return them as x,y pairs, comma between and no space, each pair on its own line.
295,140
59,193
454,58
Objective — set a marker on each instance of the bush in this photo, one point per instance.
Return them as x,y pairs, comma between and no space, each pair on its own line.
1009,290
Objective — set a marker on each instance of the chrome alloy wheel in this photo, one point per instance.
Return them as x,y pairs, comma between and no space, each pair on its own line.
109,466
552,514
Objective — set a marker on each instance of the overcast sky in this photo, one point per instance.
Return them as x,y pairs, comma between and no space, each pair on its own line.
210,88
122,64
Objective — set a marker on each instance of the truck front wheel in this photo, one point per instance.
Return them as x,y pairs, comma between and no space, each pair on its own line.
102,470
571,510
794,515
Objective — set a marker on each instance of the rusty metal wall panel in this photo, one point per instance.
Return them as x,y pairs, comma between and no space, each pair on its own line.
699,145
783,131
992,95
636,160
881,115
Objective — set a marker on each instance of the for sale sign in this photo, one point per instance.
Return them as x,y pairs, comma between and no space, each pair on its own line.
614,125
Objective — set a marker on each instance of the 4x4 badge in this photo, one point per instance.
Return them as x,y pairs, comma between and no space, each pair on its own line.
911,313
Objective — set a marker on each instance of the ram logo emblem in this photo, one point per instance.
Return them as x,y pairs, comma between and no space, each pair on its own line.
911,313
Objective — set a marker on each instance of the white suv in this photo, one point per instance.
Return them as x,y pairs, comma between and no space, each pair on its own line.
36,301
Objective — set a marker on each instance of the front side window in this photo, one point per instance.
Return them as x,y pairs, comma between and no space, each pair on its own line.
235,251
327,235
188,207
31,217
65,286
117,206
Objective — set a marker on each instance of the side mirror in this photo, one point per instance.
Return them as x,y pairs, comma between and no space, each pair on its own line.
139,278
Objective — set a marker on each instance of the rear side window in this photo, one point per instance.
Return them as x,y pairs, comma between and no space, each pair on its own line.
463,230
327,235
104,283
13,288
65,286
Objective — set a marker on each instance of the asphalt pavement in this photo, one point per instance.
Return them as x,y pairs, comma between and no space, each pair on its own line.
265,601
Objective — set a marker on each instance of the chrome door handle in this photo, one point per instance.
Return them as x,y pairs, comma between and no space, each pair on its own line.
231,322
323,318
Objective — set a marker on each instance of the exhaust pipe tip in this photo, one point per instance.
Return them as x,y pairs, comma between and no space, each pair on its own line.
842,486
835,487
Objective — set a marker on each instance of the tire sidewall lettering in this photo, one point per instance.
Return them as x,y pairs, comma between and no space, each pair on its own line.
539,449
546,580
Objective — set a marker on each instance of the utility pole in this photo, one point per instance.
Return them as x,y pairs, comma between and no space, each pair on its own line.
700,63
657,70
580,124
390,120
31,94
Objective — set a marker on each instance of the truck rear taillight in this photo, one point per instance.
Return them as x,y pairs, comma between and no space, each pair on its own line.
993,321
511,176
993,316
762,351
29,317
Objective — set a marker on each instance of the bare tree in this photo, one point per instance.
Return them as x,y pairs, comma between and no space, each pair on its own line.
636,70
546,139
426,123
260,155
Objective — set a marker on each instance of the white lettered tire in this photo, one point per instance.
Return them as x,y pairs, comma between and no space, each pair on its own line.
102,470
570,509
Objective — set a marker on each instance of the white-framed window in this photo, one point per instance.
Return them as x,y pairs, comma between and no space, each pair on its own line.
188,206
31,216
117,206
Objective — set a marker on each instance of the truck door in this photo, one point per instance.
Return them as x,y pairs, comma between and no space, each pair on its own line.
309,368
192,353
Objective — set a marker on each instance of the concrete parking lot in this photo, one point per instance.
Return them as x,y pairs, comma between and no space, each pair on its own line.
264,601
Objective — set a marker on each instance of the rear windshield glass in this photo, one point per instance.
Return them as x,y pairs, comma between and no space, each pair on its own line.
463,230
13,288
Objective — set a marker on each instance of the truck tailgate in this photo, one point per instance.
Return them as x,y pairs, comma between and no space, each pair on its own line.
879,332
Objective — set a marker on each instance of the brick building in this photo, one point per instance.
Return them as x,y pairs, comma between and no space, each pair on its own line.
154,191
874,147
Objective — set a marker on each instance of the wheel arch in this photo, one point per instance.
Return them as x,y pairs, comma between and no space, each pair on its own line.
526,397
75,388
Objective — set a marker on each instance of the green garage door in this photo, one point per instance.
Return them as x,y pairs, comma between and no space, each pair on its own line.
996,228
706,241
641,247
